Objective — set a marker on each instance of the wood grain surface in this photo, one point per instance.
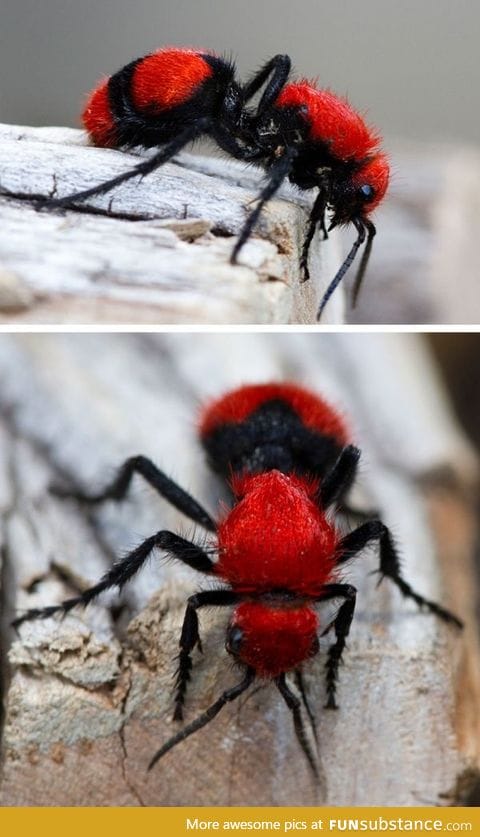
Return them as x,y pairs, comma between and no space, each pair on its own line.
162,254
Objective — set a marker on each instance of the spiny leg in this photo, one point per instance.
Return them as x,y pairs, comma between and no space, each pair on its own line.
123,570
341,477
364,261
245,145
142,169
167,488
190,638
359,225
206,717
317,216
341,624
375,530
301,688
279,68
276,175
293,703
338,482
240,150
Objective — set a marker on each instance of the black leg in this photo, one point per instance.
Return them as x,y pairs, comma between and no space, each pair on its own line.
206,717
363,262
375,530
340,479
303,694
317,216
338,482
122,571
360,226
168,489
142,169
190,638
227,142
341,624
279,69
293,703
276,175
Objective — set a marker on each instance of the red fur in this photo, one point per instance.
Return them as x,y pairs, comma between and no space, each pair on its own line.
167,78
238,405
97,117
332,120
276,537
275,639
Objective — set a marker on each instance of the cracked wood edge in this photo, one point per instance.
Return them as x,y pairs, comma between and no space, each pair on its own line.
171,264
89,699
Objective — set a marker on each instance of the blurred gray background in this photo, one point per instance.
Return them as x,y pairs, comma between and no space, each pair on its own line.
413,65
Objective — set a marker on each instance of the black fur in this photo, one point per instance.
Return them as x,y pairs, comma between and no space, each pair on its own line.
273,436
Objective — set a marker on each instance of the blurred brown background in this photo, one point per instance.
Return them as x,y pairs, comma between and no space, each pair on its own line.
459,358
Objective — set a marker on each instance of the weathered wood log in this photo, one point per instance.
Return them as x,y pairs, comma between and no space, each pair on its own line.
162,255
89,698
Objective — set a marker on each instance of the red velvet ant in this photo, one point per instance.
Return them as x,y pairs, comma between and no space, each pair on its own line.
311,137
290,463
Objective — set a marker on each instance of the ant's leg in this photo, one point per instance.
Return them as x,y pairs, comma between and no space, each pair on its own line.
246,128
317,216
166,487
276,175
341,477
364,261
227,142
301,688
142,169
341,624
279,68
206,717
190,638
339,481
360,227
375,530
293,703
123,570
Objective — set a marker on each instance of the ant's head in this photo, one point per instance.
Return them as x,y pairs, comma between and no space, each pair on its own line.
361,193
272,637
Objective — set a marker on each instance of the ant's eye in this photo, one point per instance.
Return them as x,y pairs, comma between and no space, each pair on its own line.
234,640
367,192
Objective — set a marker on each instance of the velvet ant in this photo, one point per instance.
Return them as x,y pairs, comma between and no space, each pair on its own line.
297,132
290,463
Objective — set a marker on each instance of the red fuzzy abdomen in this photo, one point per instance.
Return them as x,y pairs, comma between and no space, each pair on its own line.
168,78
160,81
275,639
97,117
237,405
276,537
332,121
